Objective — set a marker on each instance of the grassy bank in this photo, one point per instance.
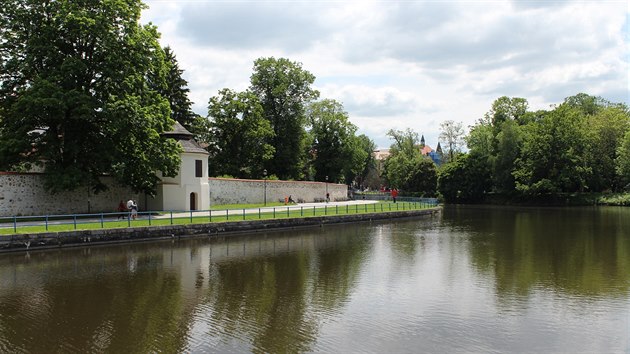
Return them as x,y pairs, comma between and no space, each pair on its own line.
246,206
619,199
563,199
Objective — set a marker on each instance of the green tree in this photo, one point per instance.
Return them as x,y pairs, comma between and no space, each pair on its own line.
284,90
605,131
507,109
507,150
406,168
465,179
553,154
175,90
423,177
238,135
480,139
622,162
363,162
585,103
75,94
333,139
405,141
505,117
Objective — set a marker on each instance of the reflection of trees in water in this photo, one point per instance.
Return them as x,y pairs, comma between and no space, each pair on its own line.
338,267
581,251
94,305
271,291
277,301
263,300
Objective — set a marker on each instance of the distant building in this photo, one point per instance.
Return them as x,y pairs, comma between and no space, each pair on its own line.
426,150
381,154
379,157
435,155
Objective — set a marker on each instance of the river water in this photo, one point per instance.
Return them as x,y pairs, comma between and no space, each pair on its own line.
472,279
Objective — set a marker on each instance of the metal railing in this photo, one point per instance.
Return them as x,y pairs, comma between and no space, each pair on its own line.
388,197
54,223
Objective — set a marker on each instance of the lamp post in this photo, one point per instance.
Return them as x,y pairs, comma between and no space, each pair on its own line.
327,198
265,185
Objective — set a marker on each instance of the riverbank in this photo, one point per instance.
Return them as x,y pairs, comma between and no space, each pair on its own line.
561,199
49,240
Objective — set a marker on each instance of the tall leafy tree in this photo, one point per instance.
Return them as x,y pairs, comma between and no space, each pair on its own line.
507,150
465,179
622,162
505,117
284,90
553,154
480,138
605,125
75,94
604,132
585,103
507,109
404,141
406,168
333,139
415,173
362,159
238,135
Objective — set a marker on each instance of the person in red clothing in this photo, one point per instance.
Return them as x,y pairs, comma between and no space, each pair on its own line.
394,194
121,210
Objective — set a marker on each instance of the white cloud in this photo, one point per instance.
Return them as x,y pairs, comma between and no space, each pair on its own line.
402,64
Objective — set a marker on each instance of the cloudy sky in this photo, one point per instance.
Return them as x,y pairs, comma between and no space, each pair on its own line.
407,64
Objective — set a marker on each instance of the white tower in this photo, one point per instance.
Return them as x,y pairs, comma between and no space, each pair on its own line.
189,190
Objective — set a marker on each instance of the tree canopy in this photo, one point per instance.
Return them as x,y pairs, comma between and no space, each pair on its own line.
284,90
580,145
79,94
238,135
406,168
333,136
279,127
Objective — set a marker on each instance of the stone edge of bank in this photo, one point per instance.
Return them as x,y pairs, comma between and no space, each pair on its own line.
52,240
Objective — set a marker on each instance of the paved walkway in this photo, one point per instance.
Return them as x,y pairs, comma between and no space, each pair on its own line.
267,209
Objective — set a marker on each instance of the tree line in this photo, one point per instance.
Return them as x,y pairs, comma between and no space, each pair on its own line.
581,145
279,128
87,91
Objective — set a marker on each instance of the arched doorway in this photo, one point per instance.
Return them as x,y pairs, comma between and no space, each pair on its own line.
193,201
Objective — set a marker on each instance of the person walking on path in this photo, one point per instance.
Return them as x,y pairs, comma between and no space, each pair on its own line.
121,210
133,208
394,194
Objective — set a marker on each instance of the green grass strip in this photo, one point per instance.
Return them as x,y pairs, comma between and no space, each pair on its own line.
211,217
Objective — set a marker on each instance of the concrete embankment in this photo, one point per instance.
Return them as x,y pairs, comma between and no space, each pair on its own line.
24,242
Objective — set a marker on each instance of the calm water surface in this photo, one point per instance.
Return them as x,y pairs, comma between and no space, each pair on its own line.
474,279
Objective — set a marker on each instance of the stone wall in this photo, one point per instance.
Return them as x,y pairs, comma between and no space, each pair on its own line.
24,194
241,191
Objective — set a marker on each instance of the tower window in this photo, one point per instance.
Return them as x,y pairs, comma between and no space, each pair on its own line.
198,168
